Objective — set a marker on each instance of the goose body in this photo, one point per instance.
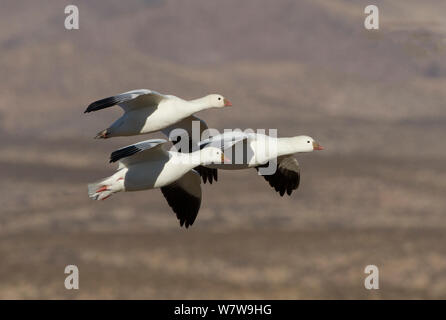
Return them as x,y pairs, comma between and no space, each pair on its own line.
272,157
146,165
147,111
250,150
152,174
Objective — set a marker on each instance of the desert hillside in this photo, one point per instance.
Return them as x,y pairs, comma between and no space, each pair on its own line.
373,99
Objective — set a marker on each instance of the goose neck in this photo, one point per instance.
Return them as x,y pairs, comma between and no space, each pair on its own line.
286,146
199,104
190,160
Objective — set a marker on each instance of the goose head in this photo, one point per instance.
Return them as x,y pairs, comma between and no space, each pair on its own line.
218,101
306,144
212,155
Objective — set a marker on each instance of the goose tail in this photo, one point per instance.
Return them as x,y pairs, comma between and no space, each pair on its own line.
100,190
104,134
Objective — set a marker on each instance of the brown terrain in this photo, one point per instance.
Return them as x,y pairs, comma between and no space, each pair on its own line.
374,99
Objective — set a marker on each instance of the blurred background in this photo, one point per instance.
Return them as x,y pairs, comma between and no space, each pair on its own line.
373,99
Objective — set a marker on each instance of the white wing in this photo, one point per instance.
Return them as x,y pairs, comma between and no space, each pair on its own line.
142,98
226,140
141,151
188,129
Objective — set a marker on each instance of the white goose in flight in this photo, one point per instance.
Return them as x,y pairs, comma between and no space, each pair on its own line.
146,165
148,111
271,157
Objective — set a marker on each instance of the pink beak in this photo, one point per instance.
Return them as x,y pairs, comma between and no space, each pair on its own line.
317,146
227,103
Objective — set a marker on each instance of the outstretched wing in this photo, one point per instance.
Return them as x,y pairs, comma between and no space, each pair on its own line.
142,98
141,151
186,136
184,197
185,130
287,176
207,174
224,141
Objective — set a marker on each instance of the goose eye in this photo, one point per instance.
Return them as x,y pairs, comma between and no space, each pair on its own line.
308,141
219,98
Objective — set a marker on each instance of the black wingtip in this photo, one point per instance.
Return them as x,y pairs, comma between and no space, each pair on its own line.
88,110
92,106
122,153
207,174
186,224
103,103
184,205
